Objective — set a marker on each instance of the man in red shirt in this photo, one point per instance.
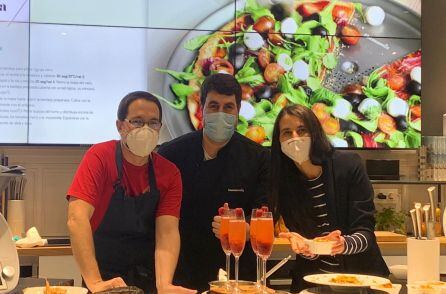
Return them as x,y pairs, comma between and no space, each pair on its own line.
124,205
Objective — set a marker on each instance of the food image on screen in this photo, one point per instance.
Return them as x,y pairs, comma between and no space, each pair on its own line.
329,56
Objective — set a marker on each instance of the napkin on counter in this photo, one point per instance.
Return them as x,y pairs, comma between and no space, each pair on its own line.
32,239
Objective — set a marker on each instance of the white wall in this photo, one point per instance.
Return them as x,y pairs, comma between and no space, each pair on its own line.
49,172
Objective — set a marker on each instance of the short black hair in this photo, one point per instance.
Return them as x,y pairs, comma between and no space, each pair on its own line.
123,107
221,83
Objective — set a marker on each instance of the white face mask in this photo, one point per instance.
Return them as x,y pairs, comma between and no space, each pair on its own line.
298,149
142,141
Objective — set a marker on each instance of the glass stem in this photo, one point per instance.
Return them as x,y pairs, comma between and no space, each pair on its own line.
228,266
236,272
258,270
264,275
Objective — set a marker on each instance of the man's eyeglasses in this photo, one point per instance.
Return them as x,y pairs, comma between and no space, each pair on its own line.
139,123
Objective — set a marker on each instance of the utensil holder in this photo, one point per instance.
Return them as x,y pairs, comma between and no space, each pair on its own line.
423,260
16,217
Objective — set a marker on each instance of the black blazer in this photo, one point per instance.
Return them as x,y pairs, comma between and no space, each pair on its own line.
351,209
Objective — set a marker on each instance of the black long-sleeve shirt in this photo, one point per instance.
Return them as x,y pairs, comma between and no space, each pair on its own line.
238,175
354,243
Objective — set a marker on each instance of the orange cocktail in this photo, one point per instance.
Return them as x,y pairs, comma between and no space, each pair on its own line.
256,213
225,214
237,236
237,239
224,234
264,236
265,241
252,234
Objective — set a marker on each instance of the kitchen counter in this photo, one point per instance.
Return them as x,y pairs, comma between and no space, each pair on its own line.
396,247
45,251
390,244
52,259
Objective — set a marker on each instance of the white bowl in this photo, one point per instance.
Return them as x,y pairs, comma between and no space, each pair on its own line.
399,271
320,247
41,290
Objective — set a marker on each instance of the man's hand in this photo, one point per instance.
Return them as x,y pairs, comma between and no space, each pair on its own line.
171,289
297,244
106,285
217,220
216,224
339,245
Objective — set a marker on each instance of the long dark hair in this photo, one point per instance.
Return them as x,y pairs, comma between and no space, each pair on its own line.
284,173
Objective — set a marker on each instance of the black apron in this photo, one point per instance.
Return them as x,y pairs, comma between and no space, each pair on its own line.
125,239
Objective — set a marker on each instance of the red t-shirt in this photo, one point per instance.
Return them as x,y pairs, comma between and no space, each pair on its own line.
96,174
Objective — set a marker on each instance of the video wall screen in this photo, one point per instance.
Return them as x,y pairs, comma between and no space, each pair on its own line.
64,66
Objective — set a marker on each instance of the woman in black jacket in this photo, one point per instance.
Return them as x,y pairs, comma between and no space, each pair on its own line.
320,191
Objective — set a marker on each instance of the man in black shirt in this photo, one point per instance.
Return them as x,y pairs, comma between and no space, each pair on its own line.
217,165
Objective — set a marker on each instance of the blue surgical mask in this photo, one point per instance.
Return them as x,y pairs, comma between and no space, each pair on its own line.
219,126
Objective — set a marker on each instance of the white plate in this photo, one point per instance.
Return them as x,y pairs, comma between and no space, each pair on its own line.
70,290
394,290
326,279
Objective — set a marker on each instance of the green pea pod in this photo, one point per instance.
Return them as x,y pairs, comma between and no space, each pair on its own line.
370,125
357,139
242,125
179,103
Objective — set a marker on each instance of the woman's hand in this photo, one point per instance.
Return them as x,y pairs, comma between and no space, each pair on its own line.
297,244
339,245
